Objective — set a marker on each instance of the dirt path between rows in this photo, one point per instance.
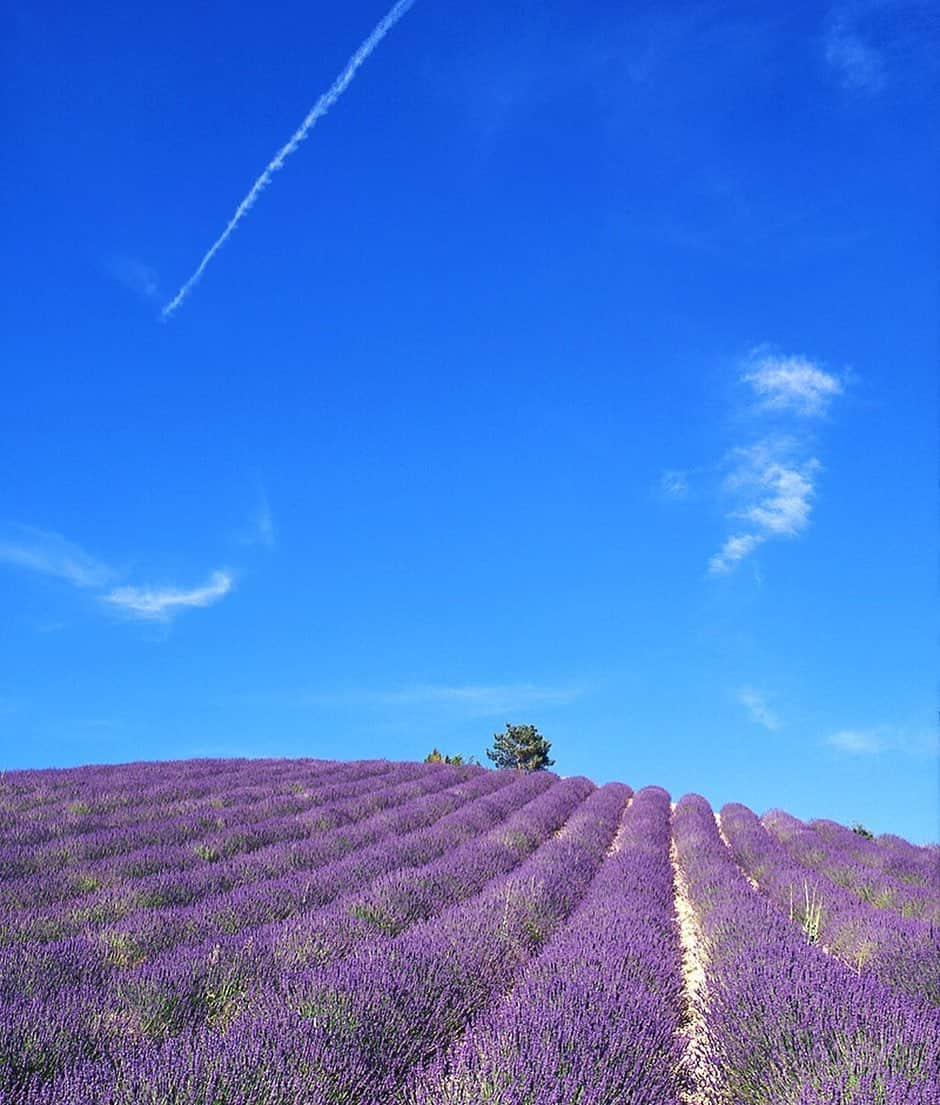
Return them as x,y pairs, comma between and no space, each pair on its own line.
694,962
620,835
727,844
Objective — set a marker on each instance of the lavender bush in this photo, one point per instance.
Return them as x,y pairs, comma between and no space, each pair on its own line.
881,888
274,932
899,951
787,1022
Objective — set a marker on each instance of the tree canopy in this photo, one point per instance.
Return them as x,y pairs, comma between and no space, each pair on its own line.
522,747
435,756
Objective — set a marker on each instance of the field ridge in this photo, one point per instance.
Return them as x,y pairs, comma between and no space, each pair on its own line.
303,932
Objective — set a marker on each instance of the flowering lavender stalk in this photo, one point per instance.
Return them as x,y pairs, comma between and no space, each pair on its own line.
414,833
346,822
357,1027
413,893
215,973
917,866
311,933
378,1014
595,1017
786,1022
157,928
207,984
80,826
899,951
879,889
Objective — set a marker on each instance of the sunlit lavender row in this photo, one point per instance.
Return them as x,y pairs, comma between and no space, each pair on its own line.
901,951
307,932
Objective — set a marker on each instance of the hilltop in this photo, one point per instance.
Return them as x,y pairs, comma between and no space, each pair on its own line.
303,932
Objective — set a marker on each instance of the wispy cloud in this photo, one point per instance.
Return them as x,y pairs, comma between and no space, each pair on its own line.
162,603
319,109
856,741
793,384
774,493
475,699
735,549
488,699
871,45
777,490
264,526
262,529
784,509
51,554
755,704
674,484
139,277
858,64
771,481
906,740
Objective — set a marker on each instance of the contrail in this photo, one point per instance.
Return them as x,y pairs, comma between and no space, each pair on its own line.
319,109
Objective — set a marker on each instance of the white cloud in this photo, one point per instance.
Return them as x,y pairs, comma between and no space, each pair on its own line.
859,66
857,741
760,712
770,481
735,549
909,740
674,484
480,700
52,555
262,527
871,44
483,699
773,489
161,604
781,494
793,384
319,109
135,275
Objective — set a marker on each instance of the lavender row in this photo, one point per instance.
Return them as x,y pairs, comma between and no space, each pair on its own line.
100,955
74,834
410,893
337,865
35,791
351,1032
596,1017
59,1023
340,828
898,951
413,995
917,866
187,828
878,888
330,803
85,807
218,976
784,1021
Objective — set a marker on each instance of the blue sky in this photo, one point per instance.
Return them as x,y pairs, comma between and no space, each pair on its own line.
578,369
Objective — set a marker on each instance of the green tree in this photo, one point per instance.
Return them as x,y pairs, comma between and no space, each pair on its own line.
435,756
521,746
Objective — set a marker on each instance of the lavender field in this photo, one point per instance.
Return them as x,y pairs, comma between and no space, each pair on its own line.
276,932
